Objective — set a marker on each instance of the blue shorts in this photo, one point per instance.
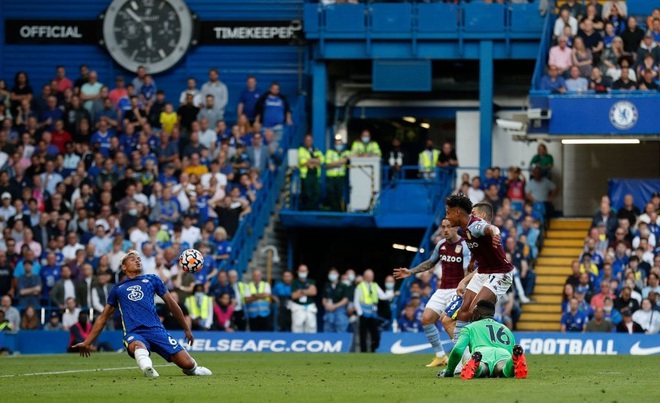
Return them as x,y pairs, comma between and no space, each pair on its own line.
157,340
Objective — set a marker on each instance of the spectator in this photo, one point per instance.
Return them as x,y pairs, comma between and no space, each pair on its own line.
598,300
552,81
625,301
653,284
272,109
627,325
606,216
611,314
592,40
632,36
90,91
585,286
200,309
409,322
248,99
648,46
574,279
428,160
573,320
231,210
258,153
647,318
70,315
576,10
582,57
475,194
310,160
28,286
12,315
365,301
654,30
619,5
565,19
624,83
647,64
629,211
335,301
54,323
63,83
218,90
187,114
191,89
447,157
303,305
566,297
257,302
365,147
588,266
648,83
21,91
543,159
79,332
30,320
611,57
599,323
224,310
576,83
100,294
541,191
282,296
118,92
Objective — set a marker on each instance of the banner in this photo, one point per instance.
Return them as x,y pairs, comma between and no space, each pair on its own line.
540,343
627,114
249,32
51,32
238,342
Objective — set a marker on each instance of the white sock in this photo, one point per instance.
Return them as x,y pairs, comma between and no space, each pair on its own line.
192,370
142,358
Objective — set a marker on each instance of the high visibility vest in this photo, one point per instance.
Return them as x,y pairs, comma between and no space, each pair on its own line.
371,147
260,307
425,163
194,309
333,156
368,300
303,156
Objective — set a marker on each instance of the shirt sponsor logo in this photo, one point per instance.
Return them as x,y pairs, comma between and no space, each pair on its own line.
136,293
457,259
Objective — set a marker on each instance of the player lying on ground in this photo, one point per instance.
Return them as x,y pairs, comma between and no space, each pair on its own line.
495,355
452,253
495,272
143,331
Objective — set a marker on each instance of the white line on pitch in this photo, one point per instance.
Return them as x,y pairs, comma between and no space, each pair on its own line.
75,371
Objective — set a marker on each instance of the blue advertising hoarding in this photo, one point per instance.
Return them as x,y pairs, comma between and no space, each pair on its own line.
619,114
41,342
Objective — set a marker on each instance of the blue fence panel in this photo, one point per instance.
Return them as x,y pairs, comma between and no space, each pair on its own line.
312,14
525,18
484,18
344,18
437,17
392,18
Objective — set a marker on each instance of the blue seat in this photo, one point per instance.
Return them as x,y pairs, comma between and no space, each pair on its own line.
437,17
525,18
392,17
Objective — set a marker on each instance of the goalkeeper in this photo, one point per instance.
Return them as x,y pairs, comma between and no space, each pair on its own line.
494,353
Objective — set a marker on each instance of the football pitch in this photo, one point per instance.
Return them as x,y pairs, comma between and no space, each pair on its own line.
263,377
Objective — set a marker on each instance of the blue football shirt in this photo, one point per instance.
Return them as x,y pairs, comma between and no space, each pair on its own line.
135,300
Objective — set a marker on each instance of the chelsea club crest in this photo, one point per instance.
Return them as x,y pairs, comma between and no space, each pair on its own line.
623,115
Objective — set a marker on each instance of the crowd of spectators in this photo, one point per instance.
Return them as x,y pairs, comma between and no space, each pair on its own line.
600,48
89,171
615,282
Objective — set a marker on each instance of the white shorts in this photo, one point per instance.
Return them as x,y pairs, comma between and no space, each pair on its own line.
498,283
440,299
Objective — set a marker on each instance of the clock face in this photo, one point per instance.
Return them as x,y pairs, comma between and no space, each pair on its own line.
152,33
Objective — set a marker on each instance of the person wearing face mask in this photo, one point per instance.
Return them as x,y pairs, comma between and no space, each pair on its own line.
395,159
365,147
335,301
336,160
200,309
303,306
428,160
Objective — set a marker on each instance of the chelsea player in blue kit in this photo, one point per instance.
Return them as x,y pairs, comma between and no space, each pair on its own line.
143,331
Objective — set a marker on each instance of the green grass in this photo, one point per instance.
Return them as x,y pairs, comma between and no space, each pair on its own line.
354,378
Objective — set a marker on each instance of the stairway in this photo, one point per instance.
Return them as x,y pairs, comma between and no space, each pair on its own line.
274,235
563,243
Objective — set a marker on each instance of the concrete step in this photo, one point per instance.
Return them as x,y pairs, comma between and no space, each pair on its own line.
547,298
555,261
541,308
541,317
538,326
552,271
564,243
551,279
548,289
570,224
554,251
566,234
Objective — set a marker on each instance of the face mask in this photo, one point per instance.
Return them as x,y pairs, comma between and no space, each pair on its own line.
199,295
365,139
351,277
339,147
346,282
389,286
302,276
607,309
132,211
332,278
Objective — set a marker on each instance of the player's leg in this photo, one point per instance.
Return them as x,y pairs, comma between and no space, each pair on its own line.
138,349
168,347
449,325
429,319
188,364
516,366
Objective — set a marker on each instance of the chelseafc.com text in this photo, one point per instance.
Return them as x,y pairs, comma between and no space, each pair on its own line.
265,345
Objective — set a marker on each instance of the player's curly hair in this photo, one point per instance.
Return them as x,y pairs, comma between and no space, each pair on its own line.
486,308
461,201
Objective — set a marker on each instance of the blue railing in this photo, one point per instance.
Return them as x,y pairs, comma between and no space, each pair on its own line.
252,226
544,47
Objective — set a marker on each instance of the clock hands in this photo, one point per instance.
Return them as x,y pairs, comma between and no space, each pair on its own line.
134,16
147,28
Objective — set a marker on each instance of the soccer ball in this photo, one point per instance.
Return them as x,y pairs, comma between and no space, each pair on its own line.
191,260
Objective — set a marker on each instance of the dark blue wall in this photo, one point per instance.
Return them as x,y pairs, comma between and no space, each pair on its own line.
234,62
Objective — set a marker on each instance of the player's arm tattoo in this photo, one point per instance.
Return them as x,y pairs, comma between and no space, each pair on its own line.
424,266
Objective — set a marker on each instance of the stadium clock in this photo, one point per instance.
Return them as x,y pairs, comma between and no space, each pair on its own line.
152,33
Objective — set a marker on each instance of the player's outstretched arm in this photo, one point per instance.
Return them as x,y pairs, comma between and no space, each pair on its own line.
457,353
84,347
178,315
403,272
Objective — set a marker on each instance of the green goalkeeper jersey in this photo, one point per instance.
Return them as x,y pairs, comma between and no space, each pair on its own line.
491,338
